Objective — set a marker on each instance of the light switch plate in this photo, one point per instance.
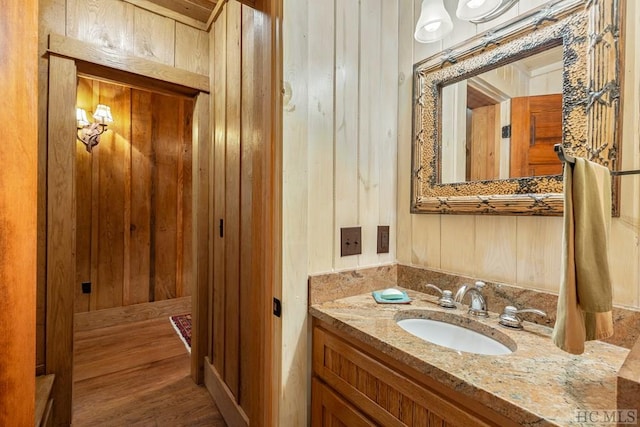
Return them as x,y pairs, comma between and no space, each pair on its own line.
383,239
350,241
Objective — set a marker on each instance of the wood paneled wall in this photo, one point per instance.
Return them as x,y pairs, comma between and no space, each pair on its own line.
349,74
18,185
133,234
244,213
339,155
324,73
123,26
119,25
521,251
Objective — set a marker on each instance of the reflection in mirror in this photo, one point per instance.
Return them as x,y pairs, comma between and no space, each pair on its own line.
589,33
503,123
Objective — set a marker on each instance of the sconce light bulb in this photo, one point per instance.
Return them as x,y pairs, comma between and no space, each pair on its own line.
474,4
471,10
81,118
432,26
434,22
103,114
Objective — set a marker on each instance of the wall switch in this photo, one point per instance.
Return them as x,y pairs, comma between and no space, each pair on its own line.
383,239
86,287
350,241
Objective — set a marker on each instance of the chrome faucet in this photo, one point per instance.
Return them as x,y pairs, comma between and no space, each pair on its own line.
446,296
478,306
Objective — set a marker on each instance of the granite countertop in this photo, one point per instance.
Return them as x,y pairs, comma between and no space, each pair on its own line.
538,384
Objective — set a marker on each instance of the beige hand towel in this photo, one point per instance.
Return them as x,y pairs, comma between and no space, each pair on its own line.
585,300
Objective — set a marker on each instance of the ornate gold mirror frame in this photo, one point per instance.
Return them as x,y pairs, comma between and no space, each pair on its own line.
589,31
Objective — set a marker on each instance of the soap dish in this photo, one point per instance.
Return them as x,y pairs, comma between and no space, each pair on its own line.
404,300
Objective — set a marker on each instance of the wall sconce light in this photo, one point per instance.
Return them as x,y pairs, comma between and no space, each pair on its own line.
434,22
479,11
89,133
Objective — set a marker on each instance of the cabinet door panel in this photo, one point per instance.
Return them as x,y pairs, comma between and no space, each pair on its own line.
330,410
385,395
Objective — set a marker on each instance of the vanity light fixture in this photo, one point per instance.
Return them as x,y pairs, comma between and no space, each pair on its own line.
479,11
434,22
89,133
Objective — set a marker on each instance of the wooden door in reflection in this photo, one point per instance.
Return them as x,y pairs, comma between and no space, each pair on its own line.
536,125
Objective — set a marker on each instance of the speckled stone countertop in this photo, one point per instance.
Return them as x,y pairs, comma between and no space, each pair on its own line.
538,384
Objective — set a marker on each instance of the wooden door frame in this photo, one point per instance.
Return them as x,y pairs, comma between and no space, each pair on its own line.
67,58
273,263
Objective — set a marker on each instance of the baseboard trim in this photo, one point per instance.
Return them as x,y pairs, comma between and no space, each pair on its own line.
225,401
132,313
44,402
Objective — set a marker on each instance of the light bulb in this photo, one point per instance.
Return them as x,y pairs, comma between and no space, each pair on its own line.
474,4
433,26
81,118
434,22
475,9
103,114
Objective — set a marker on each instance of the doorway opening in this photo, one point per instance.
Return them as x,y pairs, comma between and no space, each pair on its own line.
134,261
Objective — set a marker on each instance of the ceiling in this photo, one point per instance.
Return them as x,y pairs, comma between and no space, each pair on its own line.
199,10
551,58
477,99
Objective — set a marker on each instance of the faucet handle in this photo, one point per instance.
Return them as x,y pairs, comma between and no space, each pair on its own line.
510,319
446,296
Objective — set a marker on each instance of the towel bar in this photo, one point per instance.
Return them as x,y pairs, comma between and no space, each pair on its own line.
564,157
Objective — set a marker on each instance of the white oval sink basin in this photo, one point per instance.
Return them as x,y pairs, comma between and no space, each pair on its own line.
453,337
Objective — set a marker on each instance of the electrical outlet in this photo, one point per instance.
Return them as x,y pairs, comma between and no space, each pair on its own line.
383,239
86,287
350,241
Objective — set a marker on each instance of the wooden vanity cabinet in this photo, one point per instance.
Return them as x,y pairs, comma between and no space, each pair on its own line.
331,410
356,385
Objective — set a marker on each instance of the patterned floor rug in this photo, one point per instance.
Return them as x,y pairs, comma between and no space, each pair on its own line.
182,324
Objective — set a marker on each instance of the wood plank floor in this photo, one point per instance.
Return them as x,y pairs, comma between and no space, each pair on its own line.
137,374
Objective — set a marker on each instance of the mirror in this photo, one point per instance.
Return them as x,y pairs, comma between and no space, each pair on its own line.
504,122
487,112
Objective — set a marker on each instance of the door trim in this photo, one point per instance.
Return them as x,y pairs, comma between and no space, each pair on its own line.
61,202
232,413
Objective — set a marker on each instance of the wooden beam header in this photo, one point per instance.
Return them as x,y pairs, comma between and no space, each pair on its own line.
119,60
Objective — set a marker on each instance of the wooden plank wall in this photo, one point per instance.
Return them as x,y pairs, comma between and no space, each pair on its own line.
119,25
123,26
524,251
134,199
18,184
219,75
351,135
339,155
295,193
242,196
